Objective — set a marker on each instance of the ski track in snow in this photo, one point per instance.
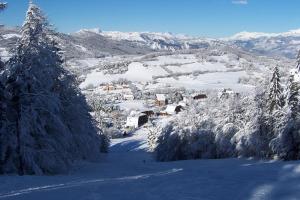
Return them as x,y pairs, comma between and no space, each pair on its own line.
81,183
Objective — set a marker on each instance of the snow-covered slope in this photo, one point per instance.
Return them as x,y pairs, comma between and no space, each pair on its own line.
213,68
129,173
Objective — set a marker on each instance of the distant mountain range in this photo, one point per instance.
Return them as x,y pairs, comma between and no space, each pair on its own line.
97,43
285,44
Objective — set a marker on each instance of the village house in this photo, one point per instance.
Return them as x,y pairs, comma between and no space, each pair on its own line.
183,104
173,109
136,120
125,86
109,88
227,93
199,96
161,100
119,87
128,97
149,113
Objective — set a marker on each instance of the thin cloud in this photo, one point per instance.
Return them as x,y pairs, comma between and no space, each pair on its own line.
240,2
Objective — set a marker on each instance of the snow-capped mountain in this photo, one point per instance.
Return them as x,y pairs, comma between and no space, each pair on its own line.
275,44
83,44
285,44
97,43
255,35
150,40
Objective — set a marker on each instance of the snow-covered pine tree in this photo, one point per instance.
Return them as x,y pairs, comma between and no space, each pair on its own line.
47,125
275,101
287,143
293,95
298,61
253,138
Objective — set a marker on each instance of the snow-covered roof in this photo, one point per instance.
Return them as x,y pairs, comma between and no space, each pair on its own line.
171,109
182,103
227,91
133,119
135,114
128,96
161,97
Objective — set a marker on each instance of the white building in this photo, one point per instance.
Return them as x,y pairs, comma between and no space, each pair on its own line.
128,97
161,99
136,120
227,93
173,109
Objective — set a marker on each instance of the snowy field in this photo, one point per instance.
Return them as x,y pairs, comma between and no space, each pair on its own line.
129,172
188,71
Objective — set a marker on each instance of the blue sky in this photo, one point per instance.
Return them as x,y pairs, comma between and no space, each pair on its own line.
213,18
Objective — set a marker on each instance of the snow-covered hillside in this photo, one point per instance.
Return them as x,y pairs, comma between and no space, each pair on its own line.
199,70
128,172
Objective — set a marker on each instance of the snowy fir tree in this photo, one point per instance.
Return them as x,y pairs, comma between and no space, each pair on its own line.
275,98
274,104
45,123
293,95
253,138
287,143
298,61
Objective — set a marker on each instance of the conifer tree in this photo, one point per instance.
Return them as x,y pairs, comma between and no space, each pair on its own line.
275,100
47,124
286,145
298,61
293,96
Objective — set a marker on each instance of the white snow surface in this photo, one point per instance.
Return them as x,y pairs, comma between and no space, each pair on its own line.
177,71
11,35
133,105
128,172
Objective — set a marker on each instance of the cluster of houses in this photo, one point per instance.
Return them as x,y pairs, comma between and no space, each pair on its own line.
162,106
112,87
125,88
138,119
